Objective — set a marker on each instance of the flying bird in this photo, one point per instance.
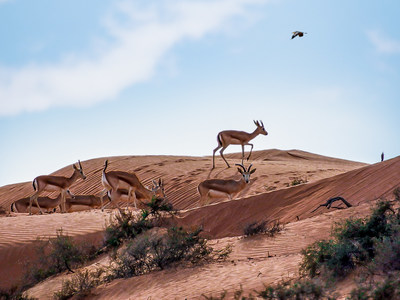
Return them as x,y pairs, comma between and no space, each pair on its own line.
298,33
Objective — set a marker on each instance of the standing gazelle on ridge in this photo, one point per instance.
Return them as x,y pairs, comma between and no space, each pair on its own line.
51,183
221,188
116,180
234,137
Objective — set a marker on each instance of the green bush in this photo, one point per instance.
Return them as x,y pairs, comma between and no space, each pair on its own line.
126,225
80,285
14,293
262,227
158,205
354,242
55,256
388,288
297,290
149,252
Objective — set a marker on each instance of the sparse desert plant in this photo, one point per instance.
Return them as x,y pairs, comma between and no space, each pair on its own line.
148,252
159,205
354,243
222,254
3,211
298,180
14,293
126,225
263,227
80,285
396,193
388,288
55,255
237,295
302,289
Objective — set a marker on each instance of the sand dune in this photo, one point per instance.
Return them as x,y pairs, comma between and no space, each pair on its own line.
269,196
230,217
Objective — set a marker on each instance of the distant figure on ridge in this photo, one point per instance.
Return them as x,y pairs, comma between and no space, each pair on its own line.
298,33
382,156
234,137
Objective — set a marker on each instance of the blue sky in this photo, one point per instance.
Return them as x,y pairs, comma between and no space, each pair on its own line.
87,79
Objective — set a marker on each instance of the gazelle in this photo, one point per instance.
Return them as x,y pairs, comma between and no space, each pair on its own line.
234,137
221,188
124,195
21,205
53,183
85,200
114,180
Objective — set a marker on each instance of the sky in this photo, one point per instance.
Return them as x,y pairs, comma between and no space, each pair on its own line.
89,79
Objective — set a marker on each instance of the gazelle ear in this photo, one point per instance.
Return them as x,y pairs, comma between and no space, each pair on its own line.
160,182
74,167
252,171
240,170
154,182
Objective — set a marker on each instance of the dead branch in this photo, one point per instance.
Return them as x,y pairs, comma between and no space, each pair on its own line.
328,203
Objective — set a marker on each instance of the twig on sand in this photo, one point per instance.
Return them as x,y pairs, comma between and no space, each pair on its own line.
328,203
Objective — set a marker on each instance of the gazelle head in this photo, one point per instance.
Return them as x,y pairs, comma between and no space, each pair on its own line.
260,127
71,195
158,188
80,170
246,173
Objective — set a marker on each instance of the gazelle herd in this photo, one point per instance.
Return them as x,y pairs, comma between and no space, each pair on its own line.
122,186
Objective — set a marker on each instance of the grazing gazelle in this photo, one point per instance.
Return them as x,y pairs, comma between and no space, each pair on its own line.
91,201
124,195
53,183
21,205
234,137
298,33
114,180
222,188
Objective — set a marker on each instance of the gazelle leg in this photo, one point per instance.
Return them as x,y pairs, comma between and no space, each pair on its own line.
30,204
215,150
251,149
222,155
242,153
63,201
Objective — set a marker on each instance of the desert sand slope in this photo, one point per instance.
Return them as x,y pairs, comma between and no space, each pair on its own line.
230,217
254,262
276,169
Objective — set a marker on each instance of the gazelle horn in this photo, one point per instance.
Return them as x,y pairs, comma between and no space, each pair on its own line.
240,165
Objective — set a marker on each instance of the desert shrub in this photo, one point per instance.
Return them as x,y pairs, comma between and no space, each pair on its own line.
3,211
262,227
388,288
126,225
80,285
387,257
158,205
149,252
222,254
396,193
365,231
354,242
255,228
237,295
55,256
14,293
298,180
297,290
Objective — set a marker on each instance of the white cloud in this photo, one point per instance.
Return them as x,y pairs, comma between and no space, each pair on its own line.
140,41
383,43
